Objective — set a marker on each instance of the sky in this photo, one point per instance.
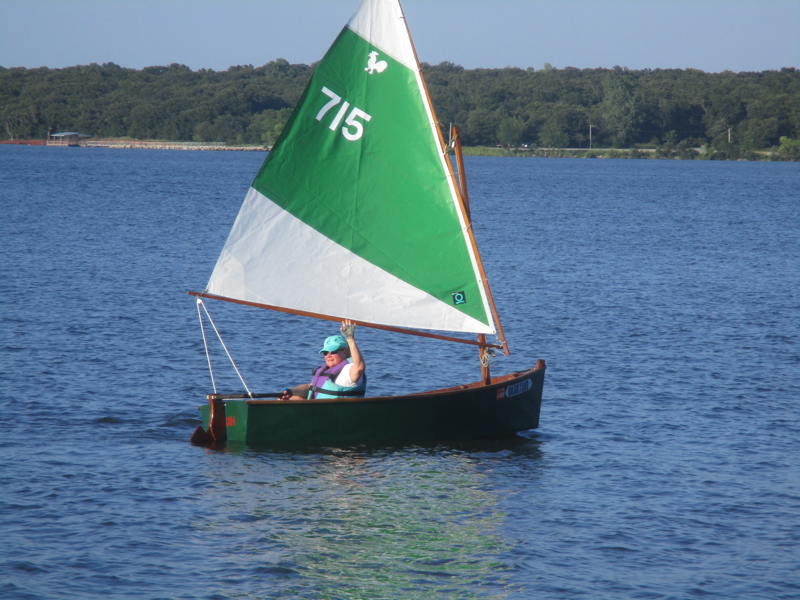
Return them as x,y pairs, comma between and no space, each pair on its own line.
710,35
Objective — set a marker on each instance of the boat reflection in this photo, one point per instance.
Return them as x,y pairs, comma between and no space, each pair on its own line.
366,523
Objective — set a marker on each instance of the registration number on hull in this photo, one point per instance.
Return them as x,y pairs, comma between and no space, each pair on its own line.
515,389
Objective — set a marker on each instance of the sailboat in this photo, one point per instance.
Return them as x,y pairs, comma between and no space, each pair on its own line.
359,213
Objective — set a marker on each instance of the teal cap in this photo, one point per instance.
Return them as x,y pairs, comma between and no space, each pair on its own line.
333,343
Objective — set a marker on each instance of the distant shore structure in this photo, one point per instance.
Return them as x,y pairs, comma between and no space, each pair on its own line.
66,138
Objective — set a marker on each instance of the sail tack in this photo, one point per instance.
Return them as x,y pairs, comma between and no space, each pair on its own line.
355,212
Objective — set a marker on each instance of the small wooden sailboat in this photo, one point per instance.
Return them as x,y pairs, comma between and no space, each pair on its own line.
357,214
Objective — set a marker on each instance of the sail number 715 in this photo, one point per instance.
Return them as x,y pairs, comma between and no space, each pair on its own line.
353,127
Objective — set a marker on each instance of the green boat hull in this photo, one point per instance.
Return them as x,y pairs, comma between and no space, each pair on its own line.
507,405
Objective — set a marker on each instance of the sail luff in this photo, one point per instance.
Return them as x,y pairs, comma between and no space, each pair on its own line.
463,209
462,177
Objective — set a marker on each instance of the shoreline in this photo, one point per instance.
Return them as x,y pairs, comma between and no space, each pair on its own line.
519,152
139,144
169,145
624,153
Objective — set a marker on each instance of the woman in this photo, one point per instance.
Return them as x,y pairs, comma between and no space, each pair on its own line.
343,373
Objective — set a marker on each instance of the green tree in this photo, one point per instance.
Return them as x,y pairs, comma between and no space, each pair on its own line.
673,108
622,108
789,148
553,135
266,126
511,131
481,128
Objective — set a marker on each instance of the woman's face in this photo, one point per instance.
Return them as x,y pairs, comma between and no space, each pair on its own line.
334,358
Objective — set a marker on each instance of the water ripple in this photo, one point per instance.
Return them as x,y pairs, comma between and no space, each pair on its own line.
664,296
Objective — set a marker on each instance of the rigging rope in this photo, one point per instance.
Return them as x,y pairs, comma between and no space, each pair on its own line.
487,356
224,347
205,345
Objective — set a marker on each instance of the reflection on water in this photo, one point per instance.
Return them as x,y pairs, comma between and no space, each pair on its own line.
364,524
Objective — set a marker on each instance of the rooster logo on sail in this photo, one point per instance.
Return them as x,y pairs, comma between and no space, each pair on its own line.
375,65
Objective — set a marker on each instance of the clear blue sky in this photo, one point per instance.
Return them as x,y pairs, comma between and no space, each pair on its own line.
711,35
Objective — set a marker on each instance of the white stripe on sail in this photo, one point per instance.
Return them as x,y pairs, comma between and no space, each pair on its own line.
382,24
261,263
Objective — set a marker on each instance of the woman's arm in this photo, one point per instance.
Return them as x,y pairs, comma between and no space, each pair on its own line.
358,365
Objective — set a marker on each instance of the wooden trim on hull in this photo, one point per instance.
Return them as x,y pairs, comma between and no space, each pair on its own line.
509,404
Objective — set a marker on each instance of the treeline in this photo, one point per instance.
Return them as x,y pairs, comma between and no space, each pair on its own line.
727,114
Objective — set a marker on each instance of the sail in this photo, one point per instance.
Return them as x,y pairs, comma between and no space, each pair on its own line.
355,213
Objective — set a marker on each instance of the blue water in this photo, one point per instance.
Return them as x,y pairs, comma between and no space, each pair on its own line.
665,297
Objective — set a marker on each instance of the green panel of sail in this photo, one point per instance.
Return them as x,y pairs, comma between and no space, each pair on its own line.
359,163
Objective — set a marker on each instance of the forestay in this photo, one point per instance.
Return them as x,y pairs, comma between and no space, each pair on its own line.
356,213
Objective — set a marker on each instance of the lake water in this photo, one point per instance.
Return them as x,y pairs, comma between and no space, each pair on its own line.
665,297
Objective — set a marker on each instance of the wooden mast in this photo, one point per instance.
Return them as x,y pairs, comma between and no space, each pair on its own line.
462,200
455,139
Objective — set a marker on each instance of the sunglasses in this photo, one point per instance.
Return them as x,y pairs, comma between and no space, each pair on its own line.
325,352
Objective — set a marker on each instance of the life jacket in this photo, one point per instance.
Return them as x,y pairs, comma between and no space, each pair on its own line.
323,383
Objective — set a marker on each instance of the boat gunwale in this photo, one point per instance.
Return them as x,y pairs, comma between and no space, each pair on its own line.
450,391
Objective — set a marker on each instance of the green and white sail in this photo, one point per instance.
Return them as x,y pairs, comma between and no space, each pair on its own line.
355,212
